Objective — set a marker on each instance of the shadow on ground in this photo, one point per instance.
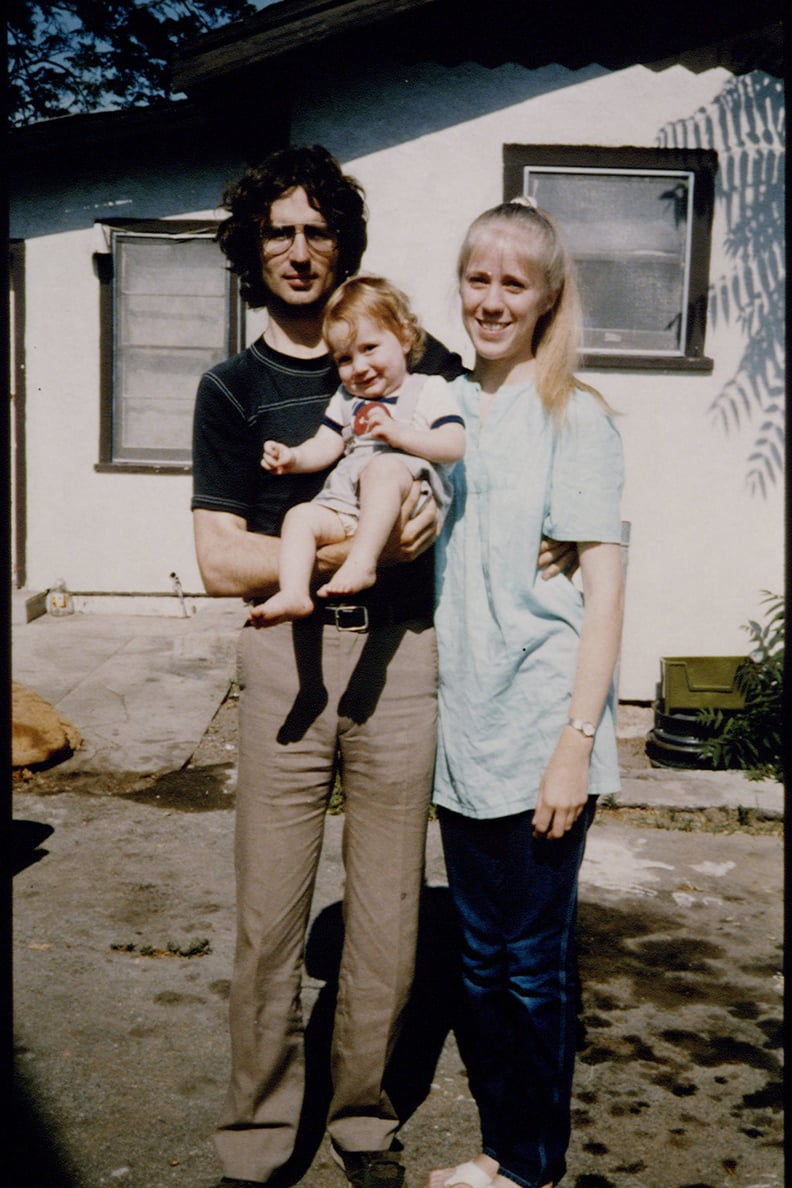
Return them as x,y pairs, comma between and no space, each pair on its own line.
430,1017
26,841
37,1158
680,1046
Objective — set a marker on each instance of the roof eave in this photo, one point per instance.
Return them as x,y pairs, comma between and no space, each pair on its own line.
277,31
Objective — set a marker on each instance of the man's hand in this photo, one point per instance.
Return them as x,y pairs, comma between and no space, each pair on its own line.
411,535
557,556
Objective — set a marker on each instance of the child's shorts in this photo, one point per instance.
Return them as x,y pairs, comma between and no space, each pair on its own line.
341,491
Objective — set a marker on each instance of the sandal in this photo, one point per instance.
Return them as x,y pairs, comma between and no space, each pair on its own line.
469,1174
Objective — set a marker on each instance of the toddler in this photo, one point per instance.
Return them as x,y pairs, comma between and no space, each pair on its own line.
388,427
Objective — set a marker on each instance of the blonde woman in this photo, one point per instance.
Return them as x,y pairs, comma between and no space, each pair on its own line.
526,736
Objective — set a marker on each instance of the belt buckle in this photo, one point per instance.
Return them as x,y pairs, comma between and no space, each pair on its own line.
340,611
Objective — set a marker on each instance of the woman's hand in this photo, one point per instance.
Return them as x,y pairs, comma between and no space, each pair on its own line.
564,786
564,789
557,556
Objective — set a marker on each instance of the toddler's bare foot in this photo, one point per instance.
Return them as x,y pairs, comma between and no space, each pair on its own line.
351,577
281,608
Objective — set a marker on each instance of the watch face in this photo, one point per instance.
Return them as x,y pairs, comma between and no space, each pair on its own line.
588,729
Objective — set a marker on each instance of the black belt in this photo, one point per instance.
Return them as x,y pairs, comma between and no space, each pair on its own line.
358,617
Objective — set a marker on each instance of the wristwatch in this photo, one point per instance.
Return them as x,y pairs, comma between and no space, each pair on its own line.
587,728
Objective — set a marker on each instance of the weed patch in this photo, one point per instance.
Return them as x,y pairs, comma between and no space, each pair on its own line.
194,948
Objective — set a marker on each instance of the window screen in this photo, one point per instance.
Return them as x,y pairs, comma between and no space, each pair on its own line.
637,222
174,314
629,233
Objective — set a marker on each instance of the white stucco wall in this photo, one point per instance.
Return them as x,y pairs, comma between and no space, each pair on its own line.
427,145
703,548
99,532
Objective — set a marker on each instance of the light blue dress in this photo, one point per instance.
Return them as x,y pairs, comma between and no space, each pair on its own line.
508,640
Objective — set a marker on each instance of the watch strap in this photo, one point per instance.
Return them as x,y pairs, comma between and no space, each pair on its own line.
586,728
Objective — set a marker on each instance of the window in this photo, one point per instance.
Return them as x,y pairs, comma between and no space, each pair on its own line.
638,223
170,310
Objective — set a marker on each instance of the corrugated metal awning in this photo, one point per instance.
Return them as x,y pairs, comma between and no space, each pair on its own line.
612,33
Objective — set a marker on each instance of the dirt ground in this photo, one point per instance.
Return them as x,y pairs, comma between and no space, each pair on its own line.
123,945
207,782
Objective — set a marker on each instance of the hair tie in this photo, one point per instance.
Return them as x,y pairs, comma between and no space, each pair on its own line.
524,200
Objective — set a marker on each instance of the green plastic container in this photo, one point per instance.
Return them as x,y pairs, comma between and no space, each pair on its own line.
700,682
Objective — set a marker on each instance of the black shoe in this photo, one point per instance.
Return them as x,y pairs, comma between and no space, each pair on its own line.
369,1169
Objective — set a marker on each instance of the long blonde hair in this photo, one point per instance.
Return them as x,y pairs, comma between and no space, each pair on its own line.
559,332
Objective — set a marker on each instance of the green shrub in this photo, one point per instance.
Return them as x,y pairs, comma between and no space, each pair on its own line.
751,738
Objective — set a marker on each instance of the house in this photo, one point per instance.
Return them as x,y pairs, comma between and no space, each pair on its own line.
656,136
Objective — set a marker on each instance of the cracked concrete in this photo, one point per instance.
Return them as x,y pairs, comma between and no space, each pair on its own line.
101,670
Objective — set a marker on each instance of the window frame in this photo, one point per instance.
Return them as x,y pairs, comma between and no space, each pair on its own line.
105,270
703,164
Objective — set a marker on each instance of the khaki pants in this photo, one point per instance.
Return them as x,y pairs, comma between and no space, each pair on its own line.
309,694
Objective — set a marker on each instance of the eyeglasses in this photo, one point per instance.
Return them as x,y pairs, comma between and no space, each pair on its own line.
277,240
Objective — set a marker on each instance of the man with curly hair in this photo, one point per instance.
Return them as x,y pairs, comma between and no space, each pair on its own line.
350,689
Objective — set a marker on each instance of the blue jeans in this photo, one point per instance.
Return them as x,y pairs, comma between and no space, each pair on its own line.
516,901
